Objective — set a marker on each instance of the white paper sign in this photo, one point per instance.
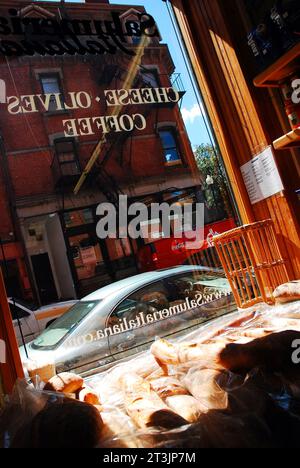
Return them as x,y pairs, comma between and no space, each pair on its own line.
261,176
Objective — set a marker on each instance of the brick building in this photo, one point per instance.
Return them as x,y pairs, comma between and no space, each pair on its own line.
48,234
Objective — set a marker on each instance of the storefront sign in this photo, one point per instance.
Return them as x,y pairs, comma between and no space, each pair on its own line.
140,320
261,176
44,36
112,98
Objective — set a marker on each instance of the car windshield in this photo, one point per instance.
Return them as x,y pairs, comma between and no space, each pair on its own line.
55,334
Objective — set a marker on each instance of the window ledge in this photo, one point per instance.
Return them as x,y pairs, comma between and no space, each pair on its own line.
174,164
53,113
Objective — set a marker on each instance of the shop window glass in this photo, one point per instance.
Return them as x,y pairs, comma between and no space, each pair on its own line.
67,158
150,78
152,230
163,308
170,147
136,40
17,312
169,306
63,326
79,218
118,248
118,130
87,256
51,85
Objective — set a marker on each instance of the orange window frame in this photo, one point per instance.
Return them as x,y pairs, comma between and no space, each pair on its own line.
12,369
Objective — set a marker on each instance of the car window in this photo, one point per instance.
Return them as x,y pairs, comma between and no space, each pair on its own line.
59,330
92,336
17,312
166,307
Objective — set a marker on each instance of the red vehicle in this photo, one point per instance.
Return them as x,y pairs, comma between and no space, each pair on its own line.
166,253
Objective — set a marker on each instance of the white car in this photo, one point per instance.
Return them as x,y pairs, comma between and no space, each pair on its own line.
125,317
33,320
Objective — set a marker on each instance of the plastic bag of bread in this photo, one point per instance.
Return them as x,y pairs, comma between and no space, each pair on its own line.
288,292
167,387
167,353
65,382
206,386
186,406
145,407
119,430
88,395
276,324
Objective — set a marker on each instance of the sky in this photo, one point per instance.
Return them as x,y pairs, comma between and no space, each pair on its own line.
191,111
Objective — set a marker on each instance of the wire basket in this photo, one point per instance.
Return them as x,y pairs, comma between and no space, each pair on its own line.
252,262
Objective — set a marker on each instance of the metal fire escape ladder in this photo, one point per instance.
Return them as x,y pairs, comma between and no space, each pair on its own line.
109,187
132,72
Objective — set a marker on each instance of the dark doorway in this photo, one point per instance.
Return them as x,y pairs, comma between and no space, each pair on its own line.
44,278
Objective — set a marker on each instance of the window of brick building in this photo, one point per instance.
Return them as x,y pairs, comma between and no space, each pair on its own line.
51,85
170,147
150,77
67,157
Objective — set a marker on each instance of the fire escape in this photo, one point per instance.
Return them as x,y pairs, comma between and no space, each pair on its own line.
99,176
66,170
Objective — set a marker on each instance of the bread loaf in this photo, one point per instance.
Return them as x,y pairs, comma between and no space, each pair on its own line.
287,292
186,406
87,395
168,386
65,383
206,385
145,407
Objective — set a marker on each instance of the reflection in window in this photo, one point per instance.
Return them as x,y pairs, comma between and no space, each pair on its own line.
64,326
67,157
87,256
118,248
79,218
170,147
152,230
169,306
51,85
136,40
18,313
150,78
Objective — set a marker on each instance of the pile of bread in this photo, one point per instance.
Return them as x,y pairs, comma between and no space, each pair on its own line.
202,391
73,386
287,292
